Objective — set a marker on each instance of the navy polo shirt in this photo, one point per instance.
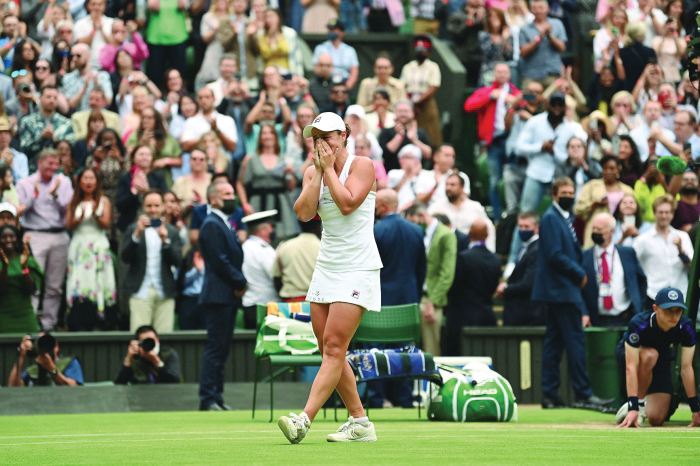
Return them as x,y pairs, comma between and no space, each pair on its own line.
644,331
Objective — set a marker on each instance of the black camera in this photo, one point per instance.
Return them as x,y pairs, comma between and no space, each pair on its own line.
147,344
42,345
107,145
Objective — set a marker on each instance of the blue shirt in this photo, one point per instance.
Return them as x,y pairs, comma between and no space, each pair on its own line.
199,213
644,331
344,57
545,59
20,165
194,279
73,370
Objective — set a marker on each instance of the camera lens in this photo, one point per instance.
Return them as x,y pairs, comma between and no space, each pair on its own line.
147,344
24,88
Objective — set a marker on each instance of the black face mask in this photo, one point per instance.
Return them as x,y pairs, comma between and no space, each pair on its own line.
555,120
597,238
689,190
229,206
566,203
420,58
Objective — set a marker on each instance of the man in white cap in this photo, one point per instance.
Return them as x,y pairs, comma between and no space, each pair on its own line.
258,260
8,214
404,180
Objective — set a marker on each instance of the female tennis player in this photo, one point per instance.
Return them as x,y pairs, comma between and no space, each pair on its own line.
340,187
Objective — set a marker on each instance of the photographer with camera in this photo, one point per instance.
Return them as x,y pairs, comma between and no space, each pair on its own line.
24,100
48,369
151,248
147,362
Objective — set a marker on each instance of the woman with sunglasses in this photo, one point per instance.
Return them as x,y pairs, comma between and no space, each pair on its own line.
20,275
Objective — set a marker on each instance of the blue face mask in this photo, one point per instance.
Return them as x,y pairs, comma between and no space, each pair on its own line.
273,236
525,235
333,36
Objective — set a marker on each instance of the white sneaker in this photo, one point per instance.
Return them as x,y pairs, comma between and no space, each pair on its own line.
353,431
622,414
294,427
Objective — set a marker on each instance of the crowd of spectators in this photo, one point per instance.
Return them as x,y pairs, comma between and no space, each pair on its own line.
110,146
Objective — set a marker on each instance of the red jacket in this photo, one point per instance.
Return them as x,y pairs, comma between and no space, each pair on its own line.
485,107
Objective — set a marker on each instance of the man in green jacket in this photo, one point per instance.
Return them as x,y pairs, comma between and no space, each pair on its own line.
441,250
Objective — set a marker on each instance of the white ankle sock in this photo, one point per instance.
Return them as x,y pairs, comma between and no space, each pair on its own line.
362,420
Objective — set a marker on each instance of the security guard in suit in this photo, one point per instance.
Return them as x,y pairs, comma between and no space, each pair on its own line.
224,285
559,278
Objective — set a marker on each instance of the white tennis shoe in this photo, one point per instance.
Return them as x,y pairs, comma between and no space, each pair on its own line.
624,409
294,427
353,431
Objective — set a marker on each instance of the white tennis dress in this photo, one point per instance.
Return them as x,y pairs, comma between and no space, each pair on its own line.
347,267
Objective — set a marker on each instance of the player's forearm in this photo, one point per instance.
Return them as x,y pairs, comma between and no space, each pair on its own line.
632,380
688,377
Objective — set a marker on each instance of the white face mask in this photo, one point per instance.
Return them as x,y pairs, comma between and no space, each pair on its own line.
156,349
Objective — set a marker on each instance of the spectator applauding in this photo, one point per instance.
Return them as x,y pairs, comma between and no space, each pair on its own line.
151,132
688,210
650,186
78,84
91,286
46,196
147,362
97,103
94,30
20,275
40,130
405,131
124,37
151,248
541,44
664,252
208,119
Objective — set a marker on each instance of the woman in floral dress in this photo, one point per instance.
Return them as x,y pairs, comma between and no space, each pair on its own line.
91,286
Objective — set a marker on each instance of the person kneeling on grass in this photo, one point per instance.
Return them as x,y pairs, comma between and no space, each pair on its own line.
647,355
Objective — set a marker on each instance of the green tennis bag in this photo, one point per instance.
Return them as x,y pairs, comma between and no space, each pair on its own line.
473,394
279,335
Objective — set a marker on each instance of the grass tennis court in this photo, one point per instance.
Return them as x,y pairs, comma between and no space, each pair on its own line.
540,437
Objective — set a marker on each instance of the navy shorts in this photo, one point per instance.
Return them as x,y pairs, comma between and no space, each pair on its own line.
661,381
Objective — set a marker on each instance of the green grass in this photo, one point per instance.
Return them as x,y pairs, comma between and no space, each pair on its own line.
540,437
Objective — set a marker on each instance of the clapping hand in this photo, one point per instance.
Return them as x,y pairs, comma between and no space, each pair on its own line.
163,233
56,185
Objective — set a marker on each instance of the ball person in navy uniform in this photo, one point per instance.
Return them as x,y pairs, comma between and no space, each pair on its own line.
646,353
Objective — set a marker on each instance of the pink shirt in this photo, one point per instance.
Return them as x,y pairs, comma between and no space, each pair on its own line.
137,49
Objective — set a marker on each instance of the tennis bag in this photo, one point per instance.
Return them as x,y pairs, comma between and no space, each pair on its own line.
279,335
408,362
472,394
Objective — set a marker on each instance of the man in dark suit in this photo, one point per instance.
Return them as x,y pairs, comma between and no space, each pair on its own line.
476,278
518,308
151,248
559,278
224,285
400,245
401,248
617,286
